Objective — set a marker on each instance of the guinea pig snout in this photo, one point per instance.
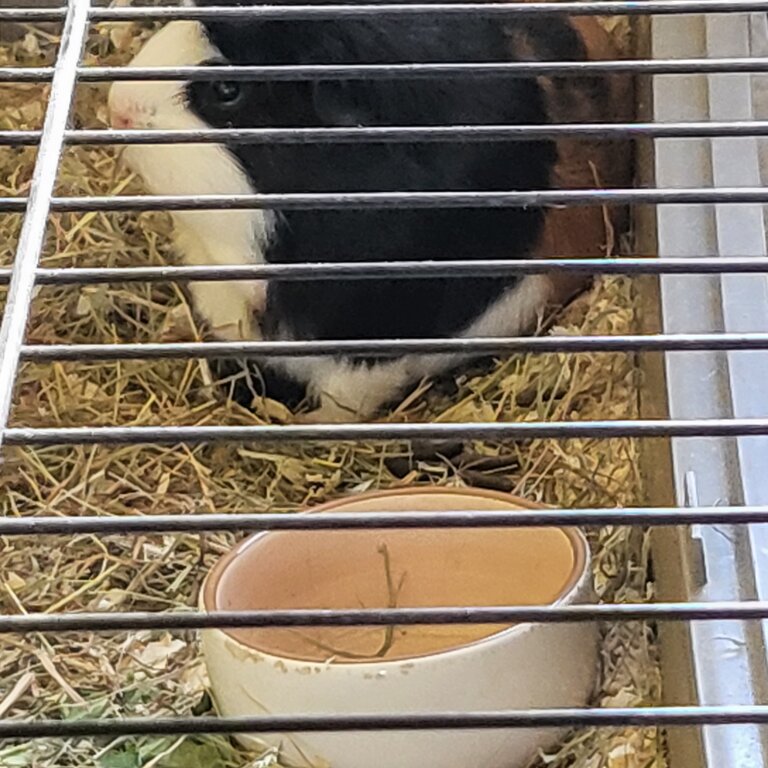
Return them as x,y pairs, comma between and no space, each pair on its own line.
120,120
124,113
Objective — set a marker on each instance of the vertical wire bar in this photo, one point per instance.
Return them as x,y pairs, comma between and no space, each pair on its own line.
32,235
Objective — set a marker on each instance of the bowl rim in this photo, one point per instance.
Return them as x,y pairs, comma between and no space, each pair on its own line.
576,538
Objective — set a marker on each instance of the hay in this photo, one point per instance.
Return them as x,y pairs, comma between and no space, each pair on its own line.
151,673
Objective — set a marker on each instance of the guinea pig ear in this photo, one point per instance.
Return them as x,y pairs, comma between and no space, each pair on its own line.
338,103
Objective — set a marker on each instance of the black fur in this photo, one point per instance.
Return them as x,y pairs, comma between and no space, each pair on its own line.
388,308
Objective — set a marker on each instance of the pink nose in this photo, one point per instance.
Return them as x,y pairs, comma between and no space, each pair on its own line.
120,120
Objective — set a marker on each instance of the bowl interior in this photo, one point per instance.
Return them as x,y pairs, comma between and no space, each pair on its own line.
392,568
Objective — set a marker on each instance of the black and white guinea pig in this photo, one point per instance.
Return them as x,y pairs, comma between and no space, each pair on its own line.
344,388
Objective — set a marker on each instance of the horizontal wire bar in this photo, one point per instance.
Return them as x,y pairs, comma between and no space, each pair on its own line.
336,10
361,134
399,200
678,342
573,717
303,10
403,269
290,72
375,617
333,9
141,524
170,435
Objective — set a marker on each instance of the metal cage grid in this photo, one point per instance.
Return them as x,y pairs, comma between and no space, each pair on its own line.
25,275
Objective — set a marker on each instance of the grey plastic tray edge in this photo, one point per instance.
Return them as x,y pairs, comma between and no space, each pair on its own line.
728,659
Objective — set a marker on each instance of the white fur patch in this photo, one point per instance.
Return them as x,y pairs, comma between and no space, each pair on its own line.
204,237
348,391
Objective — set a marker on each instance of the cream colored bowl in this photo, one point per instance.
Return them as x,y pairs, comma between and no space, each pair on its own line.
330,670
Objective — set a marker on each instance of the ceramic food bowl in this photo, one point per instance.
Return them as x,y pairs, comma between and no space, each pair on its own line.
369,670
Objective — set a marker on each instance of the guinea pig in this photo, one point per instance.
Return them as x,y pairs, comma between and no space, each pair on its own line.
342,388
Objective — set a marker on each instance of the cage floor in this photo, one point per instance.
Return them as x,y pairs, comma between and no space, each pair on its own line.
148,674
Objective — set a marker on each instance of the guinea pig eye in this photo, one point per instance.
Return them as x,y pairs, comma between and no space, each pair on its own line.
226,94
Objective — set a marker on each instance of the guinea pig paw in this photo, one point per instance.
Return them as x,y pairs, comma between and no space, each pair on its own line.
259,299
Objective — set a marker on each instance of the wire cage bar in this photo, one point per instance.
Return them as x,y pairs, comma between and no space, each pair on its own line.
702,265
710,129
324,9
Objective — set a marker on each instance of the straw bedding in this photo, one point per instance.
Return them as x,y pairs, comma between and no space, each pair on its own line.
150,673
